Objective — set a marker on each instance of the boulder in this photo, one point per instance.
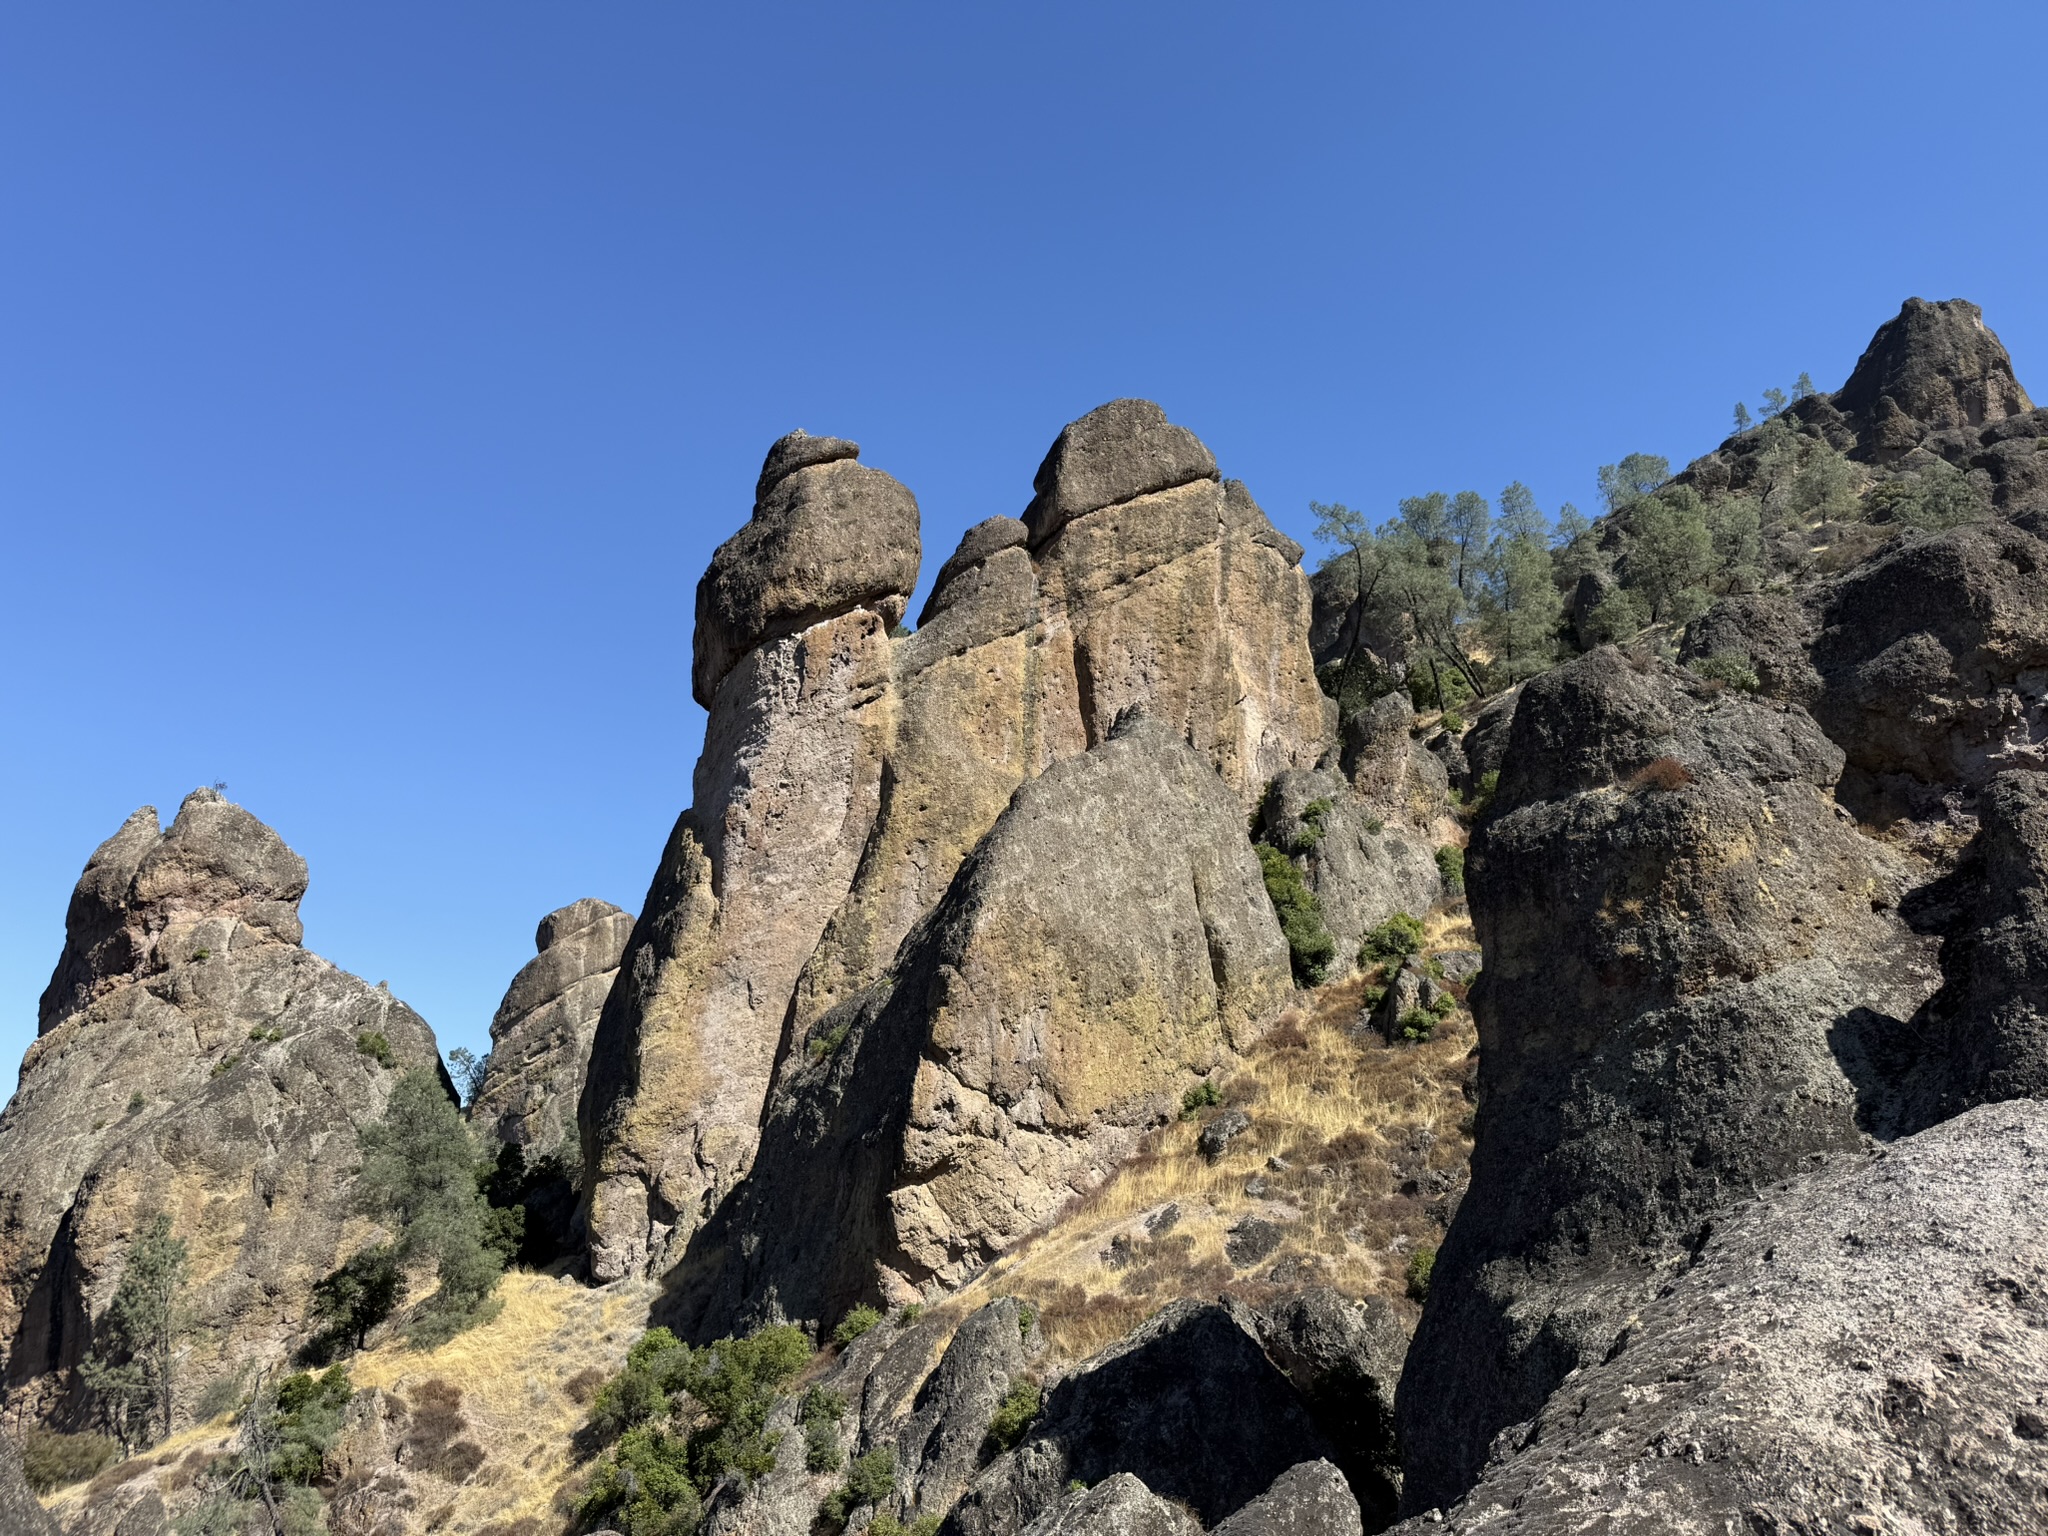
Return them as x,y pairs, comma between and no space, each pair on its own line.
1109,941
1117,1506
799,450
1187,1403
1684,938
1394,775
1311,1499
1362,865
1937,364
541,1033
939,1449
827,536
1117,452
195,1061
1863,1348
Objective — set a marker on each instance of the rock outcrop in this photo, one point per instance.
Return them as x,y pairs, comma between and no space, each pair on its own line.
1689,952
194,1060
1864,1348
847,775
1109,941
541,1033
1363,866
1938,364
20,1514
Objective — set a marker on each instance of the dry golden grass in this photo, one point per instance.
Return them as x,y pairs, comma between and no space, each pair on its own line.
1370,1140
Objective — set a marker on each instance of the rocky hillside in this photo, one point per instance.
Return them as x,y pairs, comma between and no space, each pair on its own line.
1177,1044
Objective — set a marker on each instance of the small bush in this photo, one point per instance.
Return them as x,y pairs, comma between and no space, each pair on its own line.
824,1045
1420,1263
1417,1024
202,954
1392,941
1730,668
869,1480
856,1323
373,1044
1019,1410
1661,773
1453,722
1204,1095
227,1064
821,1447
911,1312
136,1101
1309,945
1450,863
50,1460
889,1525
1312,816
1484,790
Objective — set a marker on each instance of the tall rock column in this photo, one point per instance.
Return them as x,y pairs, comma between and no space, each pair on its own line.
792,658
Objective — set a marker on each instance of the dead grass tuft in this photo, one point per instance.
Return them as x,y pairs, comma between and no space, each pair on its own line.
1661,773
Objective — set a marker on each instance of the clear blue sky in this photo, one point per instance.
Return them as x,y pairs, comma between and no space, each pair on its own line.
375,380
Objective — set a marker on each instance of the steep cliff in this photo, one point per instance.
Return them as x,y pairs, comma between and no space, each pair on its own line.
195,1060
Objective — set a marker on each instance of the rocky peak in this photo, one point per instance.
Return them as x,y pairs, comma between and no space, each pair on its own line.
1940,365
828,535
1117,452
218,879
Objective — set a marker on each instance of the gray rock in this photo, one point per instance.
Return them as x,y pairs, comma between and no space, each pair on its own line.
1865,1348
1251,1239
939,1450
1485,742
1939,365
1116,453
1409,988
1683,936
1344,1357
1120,1505
1363,864
990,536
1220,1132
799,450
194,1059
541,1034
1459,965
20,1514
824,540
1188,1403
1308,1500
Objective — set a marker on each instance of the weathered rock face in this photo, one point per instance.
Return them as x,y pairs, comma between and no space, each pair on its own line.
1863,1349
541,1034
194,1060
1937,363
1109,940
846,777
1187,1404
1927,666
1117,1506
1362,866
1309,1500
20,1514
1688,951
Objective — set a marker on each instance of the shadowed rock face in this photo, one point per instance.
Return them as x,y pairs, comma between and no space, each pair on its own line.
1685,939
1867,1343
194,1060
846,776
1937,363
541,1034
1110,939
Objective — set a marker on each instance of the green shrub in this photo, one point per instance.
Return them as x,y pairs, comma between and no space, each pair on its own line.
1027,1319
357,1297
50,1460
373,1044
824,1045
1392,941
1450,863
1420,1263
644,1488
912,1311
1416,1024
136,1101
1309,945
1730,668
309,1410
1312,817
202,954
869,1480
1204,1095
1483,792
856,1323
224,1065
821,1447
1018,1411
1453,722
889,1525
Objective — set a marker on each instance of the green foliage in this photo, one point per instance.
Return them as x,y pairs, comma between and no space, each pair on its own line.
467,1070
1453,722
358,1296
1483,791
645,1487
821,1447
869,1480
1309,945
308,1412
856,1323
136,1101
1311,833
1731,668
1618,616
1018,1411
1824,486
1417,1024
912,1311
1741,417
202,954
374,1044
1420,1263
51,1460
824,1045
1936,497
225,1065
266,1036
1204,1095
1520,518
419,1172
1392,941
1450,864
132,1369
1519,606
1027,1319
889,1525
1670,555
1631,481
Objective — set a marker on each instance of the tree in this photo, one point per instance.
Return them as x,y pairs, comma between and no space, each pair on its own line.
1471,521
134,1360
359,1295
1355,551
1424,589
1736,529
1824,486
1427,519
1635,477
1670,556
1774,403
1802,387
1575,549
1774,466
1741,417
419,1170
1520,518
467,1070
1521,606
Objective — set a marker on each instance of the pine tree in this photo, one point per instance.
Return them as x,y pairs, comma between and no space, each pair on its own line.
1520,518
1471,525
133,1365
1741,417
1635,477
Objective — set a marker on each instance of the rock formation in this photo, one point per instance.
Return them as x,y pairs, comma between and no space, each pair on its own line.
847,775
1109,941
1864,1348
541,1033
193,1060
